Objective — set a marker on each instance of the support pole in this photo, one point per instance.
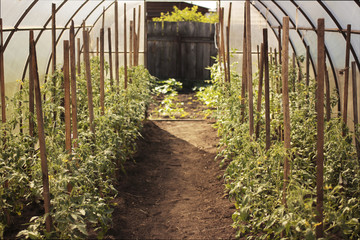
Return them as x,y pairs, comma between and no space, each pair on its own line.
328,104
131,44
41,134
110,59
88,80
79,57
261,70
145,35
66,72
347,71
117,77
244,67
320,129
355,109
267,89
249,69
285,100
125,50
138,38
307,62
223,42
102,72
31,91
53,37
73,85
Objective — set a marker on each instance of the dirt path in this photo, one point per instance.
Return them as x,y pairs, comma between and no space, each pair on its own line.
175,189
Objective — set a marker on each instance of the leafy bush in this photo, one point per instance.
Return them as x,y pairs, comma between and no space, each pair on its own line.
254,177
187,15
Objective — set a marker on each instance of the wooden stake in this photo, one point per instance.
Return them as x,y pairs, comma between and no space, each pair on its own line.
228,52
267,89
31,90
327,86
307,65
293,71
110,59
258,56
3,104
134,35
346,84
79,57
320,129
66,72
103,19
285,100
88,80
131,44
223,42
261,70
138,38
125,50
249,68
145,34
73,85
355,109
244,67
117,77
97,47
280,59
53,37
102,69
41,134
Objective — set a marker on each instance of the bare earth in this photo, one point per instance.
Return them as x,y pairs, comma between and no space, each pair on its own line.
174,190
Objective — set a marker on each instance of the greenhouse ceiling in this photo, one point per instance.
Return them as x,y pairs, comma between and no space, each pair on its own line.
20,16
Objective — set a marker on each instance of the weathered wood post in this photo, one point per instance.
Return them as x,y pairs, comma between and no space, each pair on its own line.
66,71
346,79
41,134
131,32
78,57
267,89
327,104
261,71
355,110
125,50
244,67
110,59
73,85
102,73
249,69
285,100
117,77
320,129
31,91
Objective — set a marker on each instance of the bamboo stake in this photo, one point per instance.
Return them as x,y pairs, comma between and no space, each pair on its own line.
285,100
320,130
261,70
3,106
249,68
102,80
327,86
41,134
267,89
79,57
66,72
110,59
125,50
117,77
88,81
346,84
355,109
73,85
131,44
31,91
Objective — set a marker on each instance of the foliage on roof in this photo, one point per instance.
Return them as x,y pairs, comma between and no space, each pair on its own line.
187,15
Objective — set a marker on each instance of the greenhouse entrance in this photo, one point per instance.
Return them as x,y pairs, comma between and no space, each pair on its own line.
181,50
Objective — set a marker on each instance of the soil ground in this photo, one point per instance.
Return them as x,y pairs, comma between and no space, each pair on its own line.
174,188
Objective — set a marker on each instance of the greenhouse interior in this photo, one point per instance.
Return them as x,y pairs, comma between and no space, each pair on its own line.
160,119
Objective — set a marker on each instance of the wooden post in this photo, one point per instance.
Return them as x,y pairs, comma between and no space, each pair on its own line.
320,129
244,67
280,59
267,89
31,91
41,134
261,70
88,80
307,62
73,85
3,104
125,50
131,44
285,100
117,77
223,42
293,71
134,35
145,34
249,68
79,57
66,72
228,41
103,19
97,47
327,86
355,109
138,38
102,77
258,56
110,59
53,37
346,84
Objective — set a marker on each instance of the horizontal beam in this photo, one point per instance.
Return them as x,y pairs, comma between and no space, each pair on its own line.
38,28
326,30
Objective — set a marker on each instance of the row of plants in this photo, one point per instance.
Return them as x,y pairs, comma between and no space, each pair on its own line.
254,176
187,15
91,168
